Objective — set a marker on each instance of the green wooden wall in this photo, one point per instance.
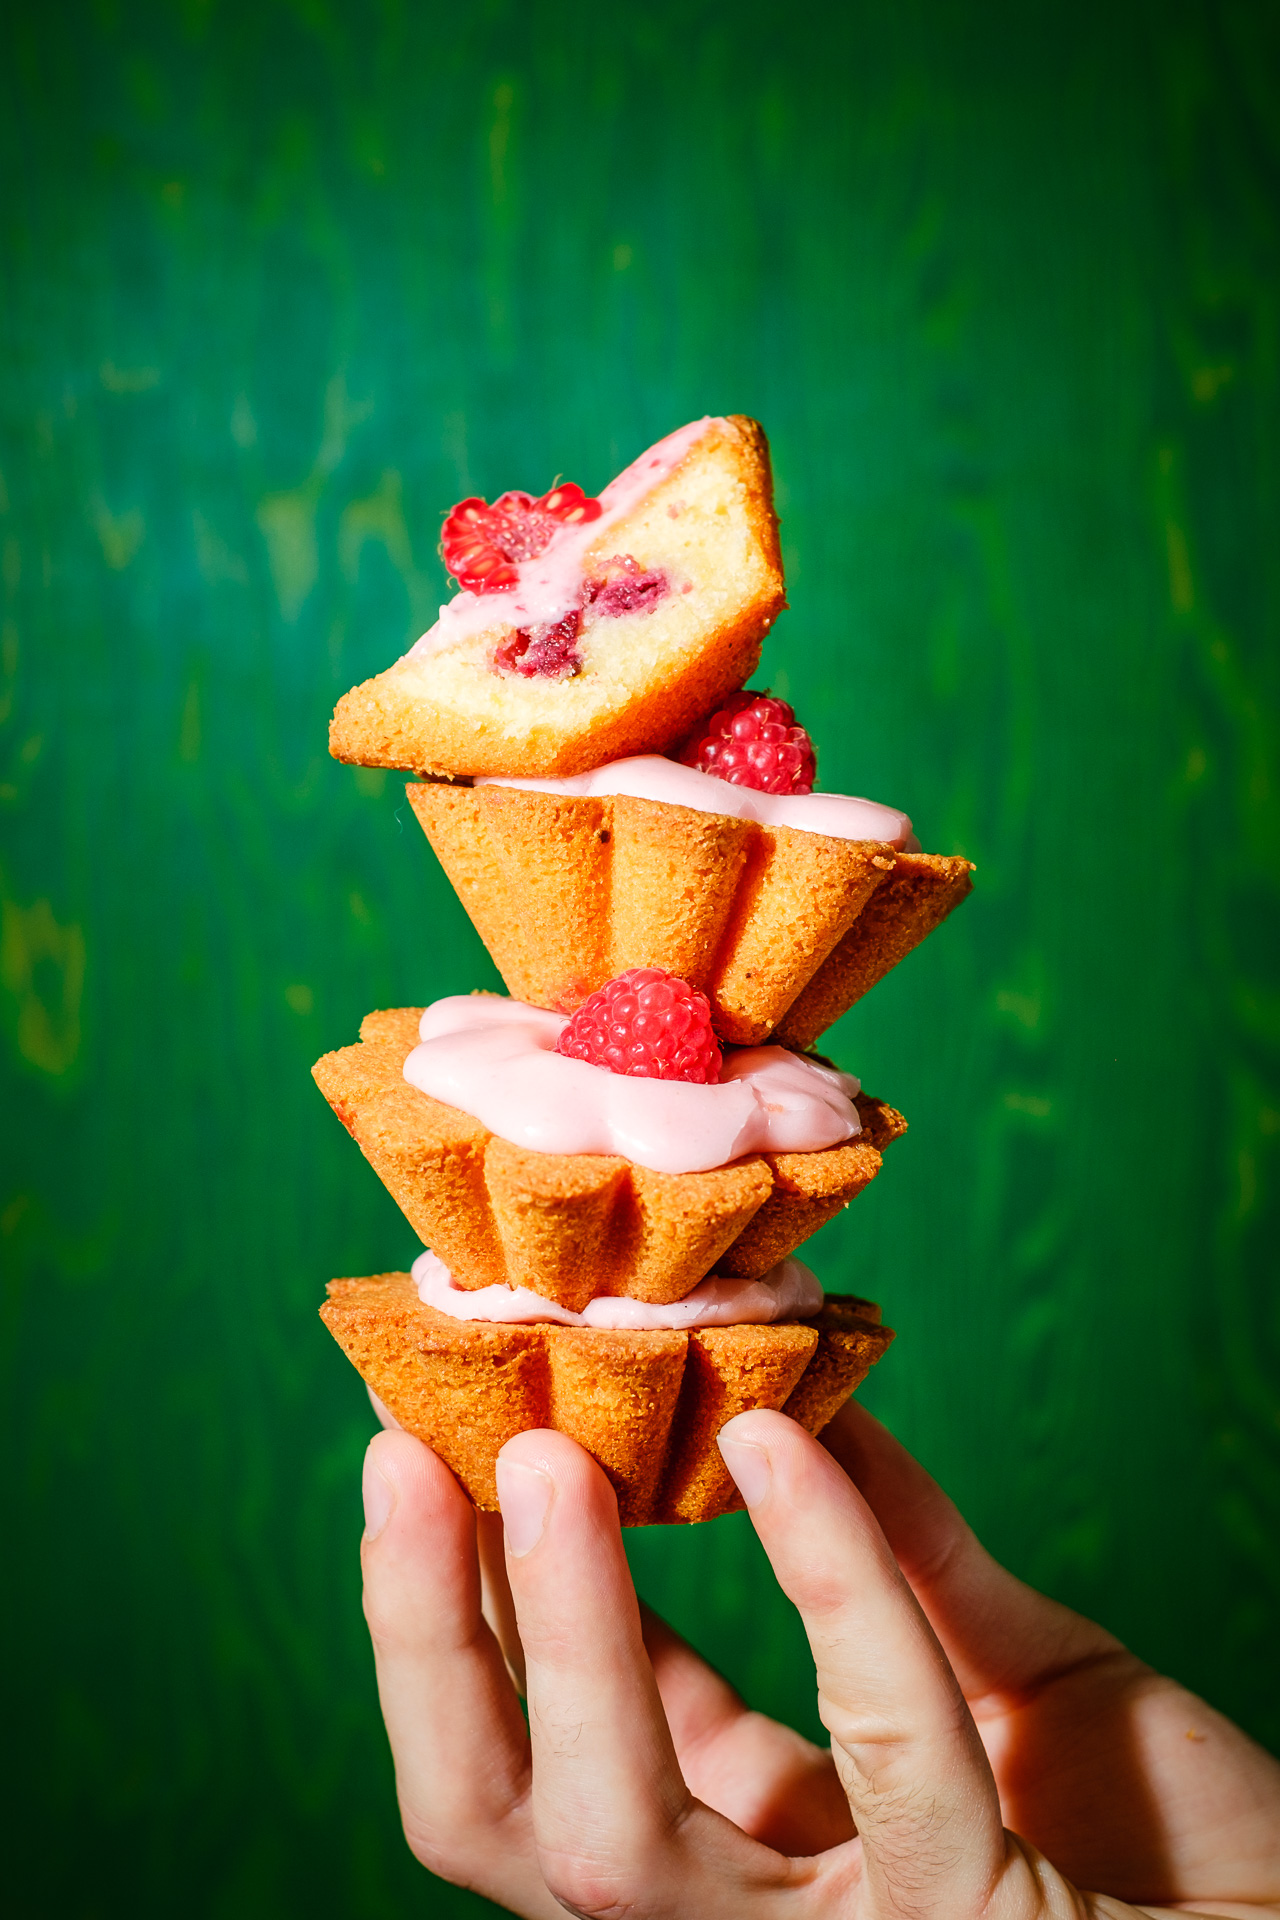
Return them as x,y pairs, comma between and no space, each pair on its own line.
282,280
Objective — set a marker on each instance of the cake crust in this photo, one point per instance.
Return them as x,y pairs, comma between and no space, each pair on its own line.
647,1406
567,891
572,1226
915,898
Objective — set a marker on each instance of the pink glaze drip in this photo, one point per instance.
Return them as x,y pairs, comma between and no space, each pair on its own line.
788,1291
494,1059
649,776
550,584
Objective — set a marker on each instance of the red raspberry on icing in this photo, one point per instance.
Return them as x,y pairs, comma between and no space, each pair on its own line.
753,741
483,545
648,1024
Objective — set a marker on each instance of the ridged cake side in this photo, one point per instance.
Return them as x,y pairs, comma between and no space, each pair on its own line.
569,1226
568,891
647,1406
915,898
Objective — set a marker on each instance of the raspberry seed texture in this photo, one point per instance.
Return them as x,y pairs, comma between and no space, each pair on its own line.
753,741
484,545
647,1024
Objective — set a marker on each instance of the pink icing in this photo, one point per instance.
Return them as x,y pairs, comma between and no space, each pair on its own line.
789,1291
649,776
494,1058
550,583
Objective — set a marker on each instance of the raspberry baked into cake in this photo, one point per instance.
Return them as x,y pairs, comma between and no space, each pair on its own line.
611,1170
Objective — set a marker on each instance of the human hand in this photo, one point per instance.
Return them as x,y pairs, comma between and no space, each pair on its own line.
961,1704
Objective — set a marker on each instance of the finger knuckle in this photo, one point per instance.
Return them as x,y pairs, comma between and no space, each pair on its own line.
592,1889
821,1593
882,1785
396,1628
385,1621
439,1853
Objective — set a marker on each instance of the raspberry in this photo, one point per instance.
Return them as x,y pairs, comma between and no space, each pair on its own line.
753,741
624,588
647,1024
484,545
550,650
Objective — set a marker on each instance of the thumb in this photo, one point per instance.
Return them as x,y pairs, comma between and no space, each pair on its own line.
906,1749
909,1757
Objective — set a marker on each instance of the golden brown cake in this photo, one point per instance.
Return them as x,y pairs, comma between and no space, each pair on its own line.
914,899
573,1226
781,928
692,889
648,1406
707,530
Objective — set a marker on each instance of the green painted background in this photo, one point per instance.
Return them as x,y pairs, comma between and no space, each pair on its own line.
281,282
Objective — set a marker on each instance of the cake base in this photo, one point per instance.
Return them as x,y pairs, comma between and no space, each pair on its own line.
570,1226
782,929
567,891
646,1406
914,900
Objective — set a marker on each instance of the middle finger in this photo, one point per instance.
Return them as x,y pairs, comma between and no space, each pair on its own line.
617,1828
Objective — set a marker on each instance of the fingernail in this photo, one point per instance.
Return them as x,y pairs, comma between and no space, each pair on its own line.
379,1498
524,1494
750,1467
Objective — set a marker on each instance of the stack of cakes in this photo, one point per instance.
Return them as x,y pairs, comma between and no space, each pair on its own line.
612,1169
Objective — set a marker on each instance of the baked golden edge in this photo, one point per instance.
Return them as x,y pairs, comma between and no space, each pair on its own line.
782,929
563,1224
647,1406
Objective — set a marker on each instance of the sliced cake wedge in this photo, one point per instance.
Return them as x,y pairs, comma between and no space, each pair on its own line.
631,616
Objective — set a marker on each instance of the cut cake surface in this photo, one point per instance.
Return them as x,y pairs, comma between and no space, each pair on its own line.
572,1226
646,677
648,1406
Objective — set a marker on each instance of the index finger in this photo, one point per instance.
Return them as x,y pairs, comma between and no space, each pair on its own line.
455,1727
